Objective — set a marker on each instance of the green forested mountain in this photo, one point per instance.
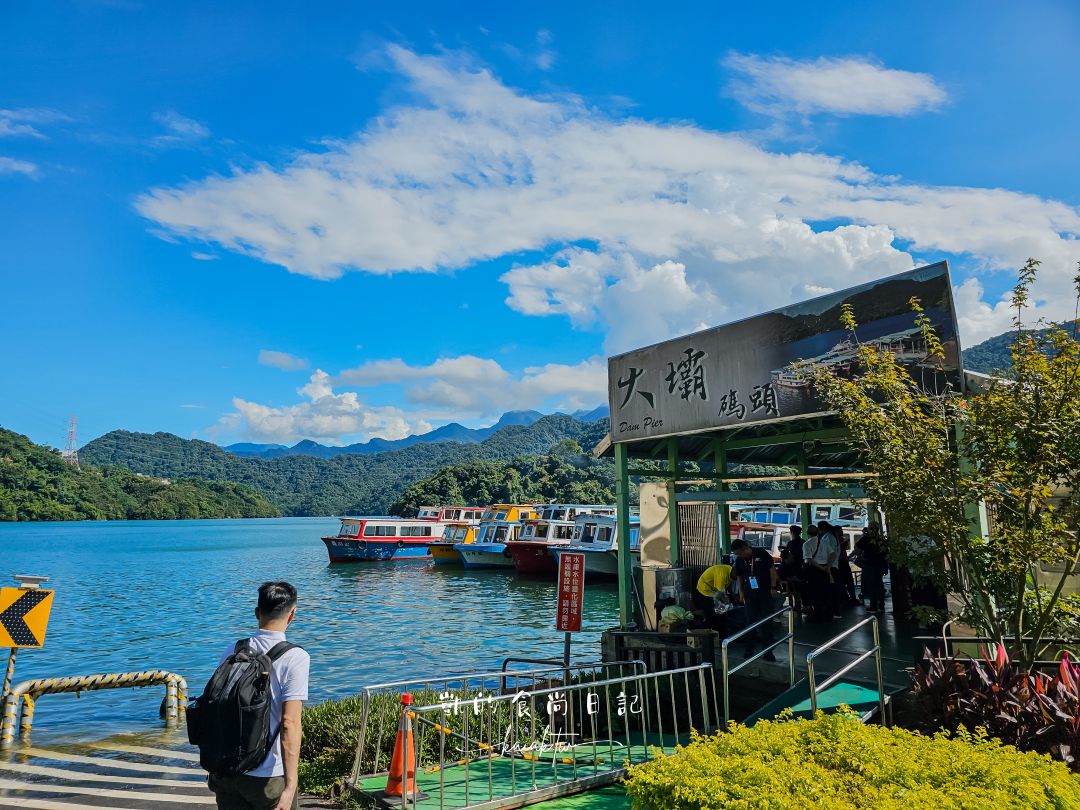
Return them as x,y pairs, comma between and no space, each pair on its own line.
565,474
36,484
345,484
994,355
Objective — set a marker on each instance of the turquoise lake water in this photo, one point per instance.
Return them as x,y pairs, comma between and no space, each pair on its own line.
173,595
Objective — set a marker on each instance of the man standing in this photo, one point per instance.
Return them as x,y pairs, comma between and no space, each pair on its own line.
757,582
272,785
819,556
874,564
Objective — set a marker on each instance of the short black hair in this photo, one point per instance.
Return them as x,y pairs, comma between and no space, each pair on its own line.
276,599
739,545
796,528
824,526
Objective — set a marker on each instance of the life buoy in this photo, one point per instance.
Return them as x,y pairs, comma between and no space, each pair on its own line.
507,553
401,544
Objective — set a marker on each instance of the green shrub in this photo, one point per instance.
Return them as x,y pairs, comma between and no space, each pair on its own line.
835,762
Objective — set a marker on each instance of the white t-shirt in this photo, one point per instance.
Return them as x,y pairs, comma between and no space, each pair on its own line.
288,681
818,549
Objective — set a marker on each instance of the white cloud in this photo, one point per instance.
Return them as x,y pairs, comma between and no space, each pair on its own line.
476,387
546,55
282,360
842,86
649,229
25,122
191,406
13,166
323,416
204,257
180,130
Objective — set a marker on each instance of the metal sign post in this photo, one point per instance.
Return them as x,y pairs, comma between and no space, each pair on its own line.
24,618
571,596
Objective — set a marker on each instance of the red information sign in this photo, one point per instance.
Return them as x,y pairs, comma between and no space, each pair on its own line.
571,592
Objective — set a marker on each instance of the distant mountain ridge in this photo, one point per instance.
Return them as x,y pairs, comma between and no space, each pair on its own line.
347,483
452,432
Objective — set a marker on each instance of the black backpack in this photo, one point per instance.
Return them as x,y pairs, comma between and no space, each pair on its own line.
230,721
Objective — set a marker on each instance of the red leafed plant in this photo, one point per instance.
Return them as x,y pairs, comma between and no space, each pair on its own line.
1031,710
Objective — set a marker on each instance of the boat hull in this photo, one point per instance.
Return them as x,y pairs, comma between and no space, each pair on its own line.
444,554
599,563
534,558
347,549
485,555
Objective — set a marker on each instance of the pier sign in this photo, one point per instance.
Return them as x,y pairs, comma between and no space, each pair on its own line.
24,616
571,592
755,370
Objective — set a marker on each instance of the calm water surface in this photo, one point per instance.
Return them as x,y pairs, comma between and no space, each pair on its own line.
173,594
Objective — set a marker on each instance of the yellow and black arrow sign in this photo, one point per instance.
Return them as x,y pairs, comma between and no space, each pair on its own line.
24,616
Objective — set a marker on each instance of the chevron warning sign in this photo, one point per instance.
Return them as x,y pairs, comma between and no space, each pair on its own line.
24,616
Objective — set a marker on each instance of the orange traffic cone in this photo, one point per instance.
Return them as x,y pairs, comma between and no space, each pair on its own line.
403,760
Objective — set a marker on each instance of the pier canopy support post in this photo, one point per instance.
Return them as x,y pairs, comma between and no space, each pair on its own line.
804,508
723,540
622,517
673,507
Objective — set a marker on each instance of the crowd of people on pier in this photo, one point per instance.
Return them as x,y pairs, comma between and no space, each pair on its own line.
814,572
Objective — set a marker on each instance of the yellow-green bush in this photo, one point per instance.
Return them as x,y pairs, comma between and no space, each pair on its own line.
835,762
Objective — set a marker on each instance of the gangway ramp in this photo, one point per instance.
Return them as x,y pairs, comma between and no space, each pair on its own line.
119,773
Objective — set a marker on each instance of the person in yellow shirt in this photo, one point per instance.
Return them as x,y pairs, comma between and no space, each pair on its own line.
715,580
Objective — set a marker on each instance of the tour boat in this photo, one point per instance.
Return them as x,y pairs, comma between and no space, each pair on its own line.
596,536
451,514
364,539
443,551
554,527
499,525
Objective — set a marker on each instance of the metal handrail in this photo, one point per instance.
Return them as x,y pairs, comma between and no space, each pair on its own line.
728,671
28,692
874,651
594,738
552,690
463,679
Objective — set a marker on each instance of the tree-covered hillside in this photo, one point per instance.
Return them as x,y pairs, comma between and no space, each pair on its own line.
345,484
565,474
37,484
994,355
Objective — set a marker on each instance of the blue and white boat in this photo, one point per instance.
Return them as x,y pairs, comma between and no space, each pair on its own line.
499,525
596,536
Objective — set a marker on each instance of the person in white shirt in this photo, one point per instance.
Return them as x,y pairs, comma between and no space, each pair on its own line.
273,784
819,558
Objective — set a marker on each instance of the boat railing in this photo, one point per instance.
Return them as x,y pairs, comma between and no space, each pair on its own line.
521,748
377,735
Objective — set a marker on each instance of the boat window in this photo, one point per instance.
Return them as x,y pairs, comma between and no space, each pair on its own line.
822,513
563,532
501,516
500,534
782,518
847,513
758,539
634,538
604,534
762,516
448,533
489,514
588,532
380,531
577,533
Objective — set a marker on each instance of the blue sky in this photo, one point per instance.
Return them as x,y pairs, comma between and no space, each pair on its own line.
272,221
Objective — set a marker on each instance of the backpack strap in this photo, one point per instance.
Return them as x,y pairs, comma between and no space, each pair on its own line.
241,645
279,649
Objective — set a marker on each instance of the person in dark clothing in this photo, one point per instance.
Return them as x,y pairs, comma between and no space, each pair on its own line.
845,579
791,567
757,582
874,564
